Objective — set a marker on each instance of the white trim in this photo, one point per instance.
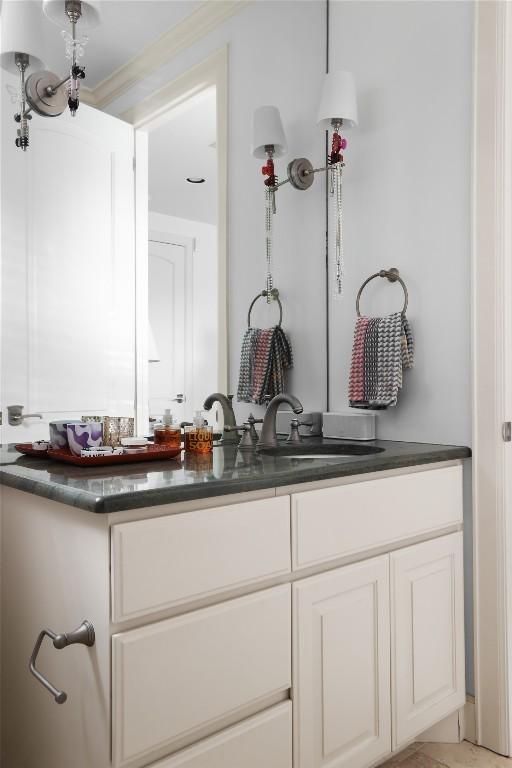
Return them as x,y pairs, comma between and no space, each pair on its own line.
141,284
189,244
492,379
178,38
449,730
467,720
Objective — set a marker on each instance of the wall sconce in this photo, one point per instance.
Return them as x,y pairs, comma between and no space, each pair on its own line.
73,12
42,91
338,110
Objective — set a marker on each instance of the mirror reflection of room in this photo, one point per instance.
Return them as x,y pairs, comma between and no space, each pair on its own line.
182,259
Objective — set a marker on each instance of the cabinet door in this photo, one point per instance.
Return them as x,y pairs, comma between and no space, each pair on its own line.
427,598
341,672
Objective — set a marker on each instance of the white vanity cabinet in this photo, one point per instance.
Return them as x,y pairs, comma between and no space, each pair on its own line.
326,616
394,620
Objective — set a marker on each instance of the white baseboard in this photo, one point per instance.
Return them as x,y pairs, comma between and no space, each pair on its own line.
469,720
455,728
446,731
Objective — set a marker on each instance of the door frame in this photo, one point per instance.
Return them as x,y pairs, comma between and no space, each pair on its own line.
492,373
144,116
188,243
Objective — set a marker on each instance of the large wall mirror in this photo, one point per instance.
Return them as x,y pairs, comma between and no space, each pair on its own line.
114,258
119,296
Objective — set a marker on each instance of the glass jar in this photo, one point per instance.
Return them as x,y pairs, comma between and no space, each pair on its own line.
168,435
199,439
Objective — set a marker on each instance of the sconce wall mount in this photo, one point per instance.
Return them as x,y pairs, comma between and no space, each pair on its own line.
43,92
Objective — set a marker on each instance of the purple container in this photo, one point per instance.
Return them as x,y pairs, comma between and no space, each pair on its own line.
84,435
59,433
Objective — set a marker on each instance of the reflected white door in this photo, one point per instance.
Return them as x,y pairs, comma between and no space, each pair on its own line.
167,310
68,262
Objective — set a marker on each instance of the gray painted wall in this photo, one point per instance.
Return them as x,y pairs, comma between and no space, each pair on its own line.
407,204
407,195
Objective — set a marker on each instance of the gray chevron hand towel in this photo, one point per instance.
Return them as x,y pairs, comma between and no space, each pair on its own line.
379,358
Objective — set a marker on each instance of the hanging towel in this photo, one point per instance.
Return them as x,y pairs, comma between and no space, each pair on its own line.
261,364
371,341
280,359
383,347
266,354
245,380
356,381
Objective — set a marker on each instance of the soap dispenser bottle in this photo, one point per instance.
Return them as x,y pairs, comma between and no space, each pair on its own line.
168,433
199,436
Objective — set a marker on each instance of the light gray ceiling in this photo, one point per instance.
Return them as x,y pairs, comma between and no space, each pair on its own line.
181,148
127,26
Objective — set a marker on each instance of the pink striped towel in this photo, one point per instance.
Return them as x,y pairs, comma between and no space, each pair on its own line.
356,380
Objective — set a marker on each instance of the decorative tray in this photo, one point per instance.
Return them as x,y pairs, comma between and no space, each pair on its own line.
153,453
27,449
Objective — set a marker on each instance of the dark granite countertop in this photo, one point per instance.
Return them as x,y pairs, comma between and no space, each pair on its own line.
228,470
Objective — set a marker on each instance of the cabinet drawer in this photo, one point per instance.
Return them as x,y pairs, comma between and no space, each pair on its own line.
177,676
336,522
165,561
263,741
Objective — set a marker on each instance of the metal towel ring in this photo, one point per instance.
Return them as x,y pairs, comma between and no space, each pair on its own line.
275,296
393,276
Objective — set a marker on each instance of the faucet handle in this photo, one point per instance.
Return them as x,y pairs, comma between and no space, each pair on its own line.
295,436
247,440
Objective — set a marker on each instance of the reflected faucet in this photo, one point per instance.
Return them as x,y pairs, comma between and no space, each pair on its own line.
268,436
228,414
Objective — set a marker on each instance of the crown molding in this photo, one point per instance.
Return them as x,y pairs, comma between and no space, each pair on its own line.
87,96
197,25
209,72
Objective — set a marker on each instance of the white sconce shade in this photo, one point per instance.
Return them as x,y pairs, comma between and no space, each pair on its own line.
56,12
21,33
338,100
267,128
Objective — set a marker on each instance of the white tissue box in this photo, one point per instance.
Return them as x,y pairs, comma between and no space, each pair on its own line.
349,425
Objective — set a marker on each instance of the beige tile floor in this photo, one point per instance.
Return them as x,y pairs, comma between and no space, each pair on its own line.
464,755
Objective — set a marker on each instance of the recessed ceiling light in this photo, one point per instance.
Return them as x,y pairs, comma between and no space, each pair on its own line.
195,180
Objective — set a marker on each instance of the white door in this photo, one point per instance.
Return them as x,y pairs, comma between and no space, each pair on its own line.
68,319
167,309
427,598
341,667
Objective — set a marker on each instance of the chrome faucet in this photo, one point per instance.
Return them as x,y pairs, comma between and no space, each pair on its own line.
268,436
228,436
